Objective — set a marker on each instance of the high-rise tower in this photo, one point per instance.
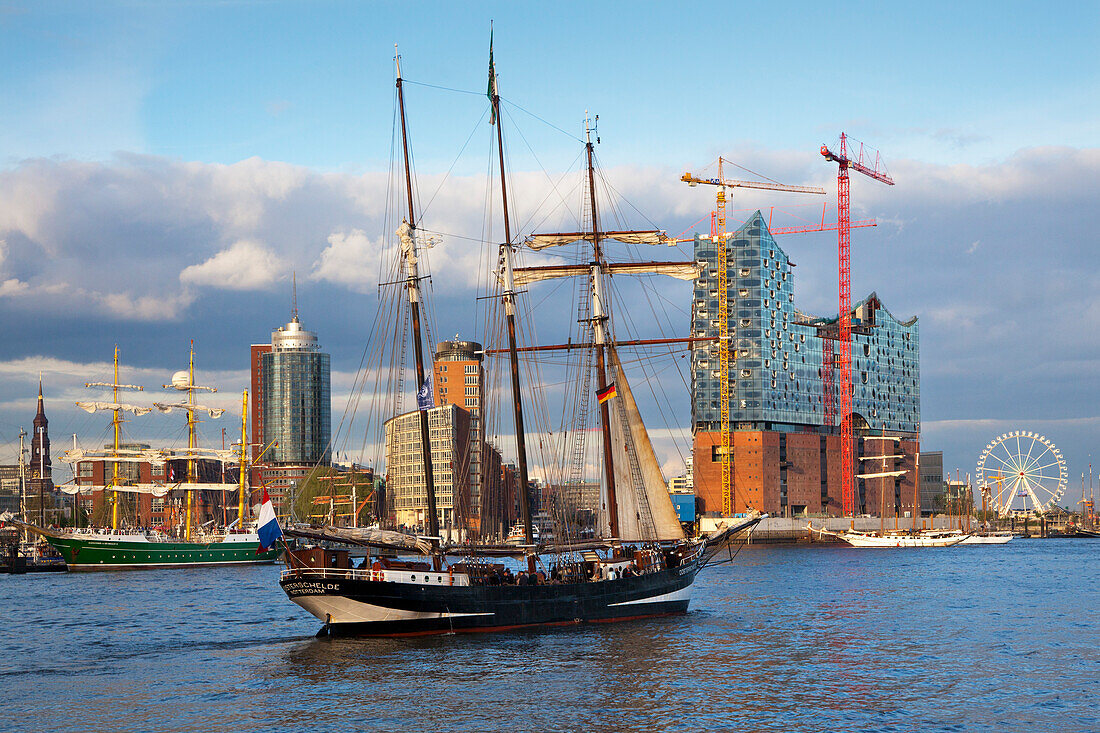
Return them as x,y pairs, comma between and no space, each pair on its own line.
292,411
458,381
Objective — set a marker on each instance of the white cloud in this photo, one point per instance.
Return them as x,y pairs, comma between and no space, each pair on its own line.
351,259
244,265
12,287
154,308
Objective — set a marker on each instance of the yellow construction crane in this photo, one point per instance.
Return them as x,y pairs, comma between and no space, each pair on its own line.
721,239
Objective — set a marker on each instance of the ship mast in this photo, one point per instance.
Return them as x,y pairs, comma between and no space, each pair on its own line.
23,485
190,436
244,469
599,325
116,423
413,289
510,316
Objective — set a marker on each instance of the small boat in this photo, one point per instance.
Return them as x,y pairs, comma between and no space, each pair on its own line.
19,557
517,536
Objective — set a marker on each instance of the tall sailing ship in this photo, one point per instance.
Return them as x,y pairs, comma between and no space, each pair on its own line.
189,544
640,565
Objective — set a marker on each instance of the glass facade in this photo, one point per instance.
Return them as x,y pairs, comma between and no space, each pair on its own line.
777,378
297,409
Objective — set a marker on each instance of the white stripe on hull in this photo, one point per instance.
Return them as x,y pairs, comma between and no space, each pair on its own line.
684,594
132,566
343,610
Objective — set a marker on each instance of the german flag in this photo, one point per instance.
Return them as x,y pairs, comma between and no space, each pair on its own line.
603,395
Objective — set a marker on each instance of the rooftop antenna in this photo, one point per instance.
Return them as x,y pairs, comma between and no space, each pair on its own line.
294,297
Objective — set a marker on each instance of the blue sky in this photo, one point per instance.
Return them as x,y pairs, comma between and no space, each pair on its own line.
164,167
298,81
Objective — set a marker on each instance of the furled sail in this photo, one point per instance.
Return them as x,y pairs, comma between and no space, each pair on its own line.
366,536
884,474
543,241
94,406
114,386
678,270
206,487
214,412
647,508
157,490
123,455
216,454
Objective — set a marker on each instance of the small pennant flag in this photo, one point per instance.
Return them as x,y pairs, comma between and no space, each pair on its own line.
267,525
492,92
424,398
603,395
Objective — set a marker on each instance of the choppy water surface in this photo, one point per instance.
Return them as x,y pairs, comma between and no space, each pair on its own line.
795,638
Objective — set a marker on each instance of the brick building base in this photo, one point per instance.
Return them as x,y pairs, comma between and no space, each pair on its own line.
786,474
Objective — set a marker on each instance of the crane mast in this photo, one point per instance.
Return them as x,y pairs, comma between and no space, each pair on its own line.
724,348
875,169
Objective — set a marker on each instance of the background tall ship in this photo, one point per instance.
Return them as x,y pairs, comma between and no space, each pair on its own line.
181,541
635,562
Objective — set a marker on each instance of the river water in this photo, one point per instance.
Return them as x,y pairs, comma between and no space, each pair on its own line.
784,638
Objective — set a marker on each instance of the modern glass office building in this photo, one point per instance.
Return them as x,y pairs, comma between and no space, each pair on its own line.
779,383
449,430
295,398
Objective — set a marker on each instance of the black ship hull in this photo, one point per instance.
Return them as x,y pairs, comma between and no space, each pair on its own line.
357,603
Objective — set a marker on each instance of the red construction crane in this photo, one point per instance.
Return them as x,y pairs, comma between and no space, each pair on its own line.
868,162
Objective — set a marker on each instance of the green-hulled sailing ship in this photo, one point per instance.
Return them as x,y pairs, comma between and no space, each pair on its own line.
187,544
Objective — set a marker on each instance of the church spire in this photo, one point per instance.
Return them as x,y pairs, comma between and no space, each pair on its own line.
40,466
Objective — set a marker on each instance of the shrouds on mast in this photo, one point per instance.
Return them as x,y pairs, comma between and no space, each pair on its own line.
407,234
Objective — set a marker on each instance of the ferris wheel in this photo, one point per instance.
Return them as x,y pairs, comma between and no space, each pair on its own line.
1023,472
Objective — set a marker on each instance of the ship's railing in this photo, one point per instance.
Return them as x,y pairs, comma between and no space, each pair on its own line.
413,577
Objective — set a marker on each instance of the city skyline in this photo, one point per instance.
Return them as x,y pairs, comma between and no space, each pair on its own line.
170,224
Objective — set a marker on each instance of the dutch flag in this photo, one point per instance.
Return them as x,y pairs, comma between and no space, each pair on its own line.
268,525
